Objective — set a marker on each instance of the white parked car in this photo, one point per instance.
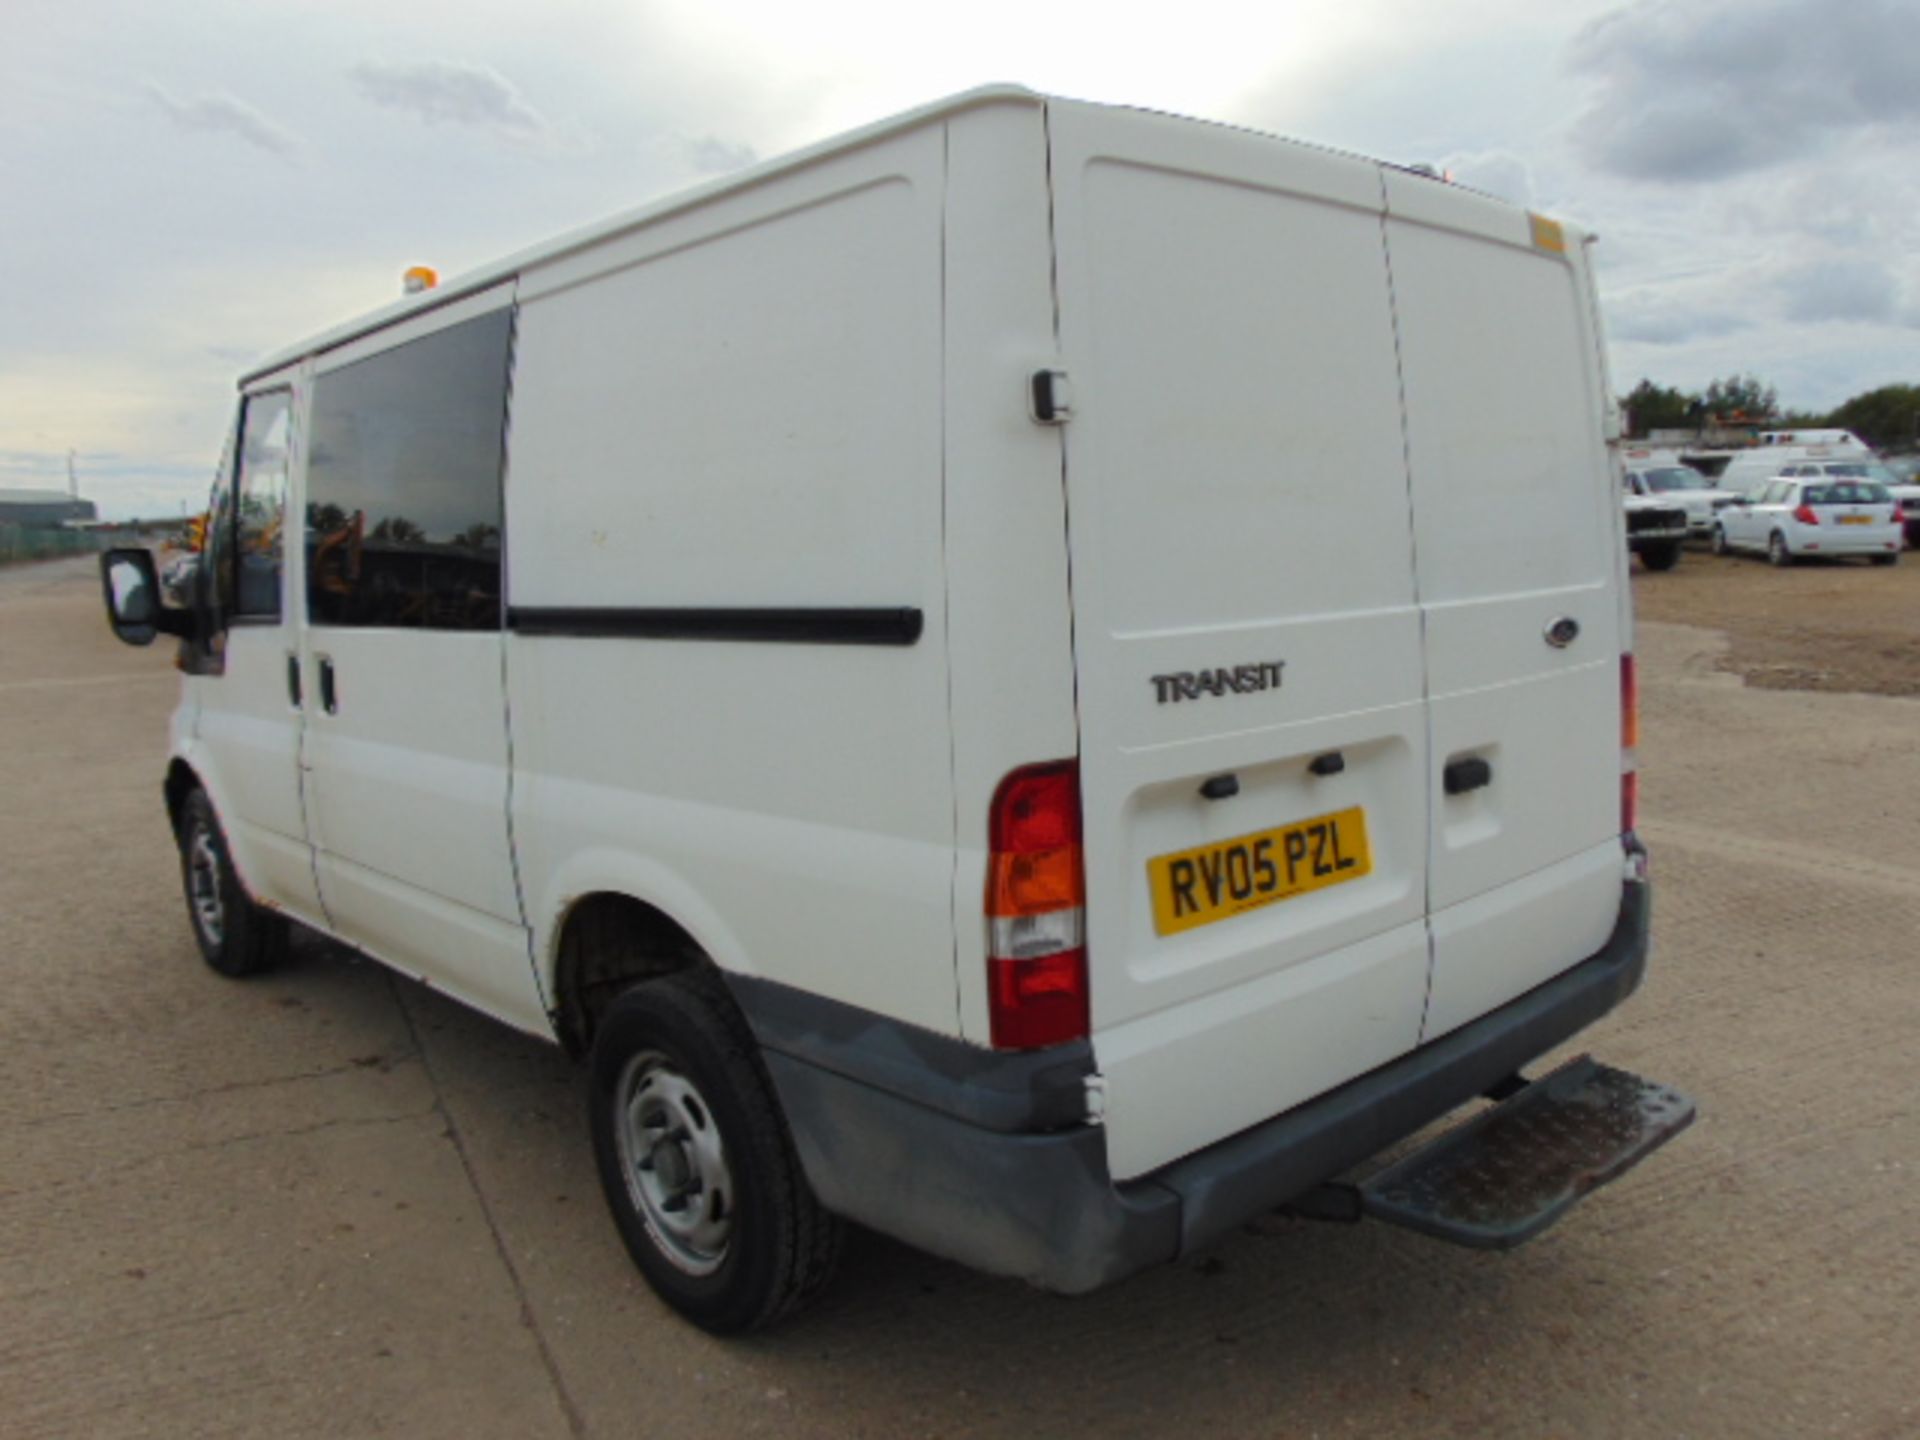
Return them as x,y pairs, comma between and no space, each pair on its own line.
1791,518
1905,492
747,717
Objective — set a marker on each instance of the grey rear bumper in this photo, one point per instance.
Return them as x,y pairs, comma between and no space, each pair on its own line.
982,1157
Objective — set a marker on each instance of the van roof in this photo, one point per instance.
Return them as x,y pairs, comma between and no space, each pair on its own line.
504,269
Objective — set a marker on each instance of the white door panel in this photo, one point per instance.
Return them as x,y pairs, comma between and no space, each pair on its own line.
1237,496
250,725
1496,833
1227,1060
1515,518
1505,941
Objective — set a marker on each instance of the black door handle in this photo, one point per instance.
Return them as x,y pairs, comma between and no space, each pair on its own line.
328,701
293,681
1461,776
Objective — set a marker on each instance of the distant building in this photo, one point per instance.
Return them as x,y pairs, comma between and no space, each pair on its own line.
43,509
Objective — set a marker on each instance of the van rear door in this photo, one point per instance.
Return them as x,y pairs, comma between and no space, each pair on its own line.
1254,766
1521,573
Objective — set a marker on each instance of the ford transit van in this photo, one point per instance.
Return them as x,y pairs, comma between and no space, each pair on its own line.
1040,678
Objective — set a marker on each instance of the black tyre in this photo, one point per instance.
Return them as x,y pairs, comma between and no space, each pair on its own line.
1777,551
1892,559
1661,557
696,1160
237,937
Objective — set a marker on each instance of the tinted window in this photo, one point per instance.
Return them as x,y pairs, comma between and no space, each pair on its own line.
1843,492
403,483
260,492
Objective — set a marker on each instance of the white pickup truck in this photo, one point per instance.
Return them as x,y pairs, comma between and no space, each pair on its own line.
1656,529
1680,485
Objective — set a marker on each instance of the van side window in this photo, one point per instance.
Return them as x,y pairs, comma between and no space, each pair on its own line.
260,503
404,483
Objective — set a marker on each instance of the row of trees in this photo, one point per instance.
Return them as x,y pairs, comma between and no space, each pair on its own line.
1886,418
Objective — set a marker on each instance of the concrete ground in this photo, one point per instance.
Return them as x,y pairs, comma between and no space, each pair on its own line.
331,1203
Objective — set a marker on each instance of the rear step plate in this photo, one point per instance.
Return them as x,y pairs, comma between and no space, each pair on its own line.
1512,1170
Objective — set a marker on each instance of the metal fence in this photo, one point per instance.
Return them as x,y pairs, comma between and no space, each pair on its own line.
20,542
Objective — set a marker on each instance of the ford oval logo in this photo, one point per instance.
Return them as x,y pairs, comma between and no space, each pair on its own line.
1563,632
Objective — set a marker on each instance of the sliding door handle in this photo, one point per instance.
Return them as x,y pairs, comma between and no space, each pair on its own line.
329,701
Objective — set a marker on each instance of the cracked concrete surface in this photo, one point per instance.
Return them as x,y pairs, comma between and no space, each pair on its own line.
331,1203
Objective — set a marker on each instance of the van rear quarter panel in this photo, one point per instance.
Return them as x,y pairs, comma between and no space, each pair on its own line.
740,406
1010,633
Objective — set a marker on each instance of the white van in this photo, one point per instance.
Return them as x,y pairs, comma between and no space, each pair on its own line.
1041,678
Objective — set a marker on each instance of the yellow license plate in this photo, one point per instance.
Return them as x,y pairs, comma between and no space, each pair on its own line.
1230,877
1856,519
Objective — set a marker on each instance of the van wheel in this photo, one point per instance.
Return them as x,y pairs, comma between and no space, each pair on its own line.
1661,557
1720,546
1893,559
696,1160
1777,551
237,937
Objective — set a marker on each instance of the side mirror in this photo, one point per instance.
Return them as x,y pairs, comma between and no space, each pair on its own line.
132,592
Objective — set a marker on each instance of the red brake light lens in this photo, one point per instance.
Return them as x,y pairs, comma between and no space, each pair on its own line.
1035,909
1038,1002
1036,809
1629,704
1629,739
1806,515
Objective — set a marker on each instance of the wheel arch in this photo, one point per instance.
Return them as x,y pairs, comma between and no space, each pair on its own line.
182,780
602,942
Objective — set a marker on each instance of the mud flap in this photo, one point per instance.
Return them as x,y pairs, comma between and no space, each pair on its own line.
1502,1177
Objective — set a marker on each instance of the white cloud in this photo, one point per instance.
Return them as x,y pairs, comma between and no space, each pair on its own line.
221,113
1689,90
450,91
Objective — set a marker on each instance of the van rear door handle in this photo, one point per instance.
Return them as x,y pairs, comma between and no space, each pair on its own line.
293,681
1460,776
328,701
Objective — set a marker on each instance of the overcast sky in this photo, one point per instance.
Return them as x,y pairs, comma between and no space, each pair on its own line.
188,185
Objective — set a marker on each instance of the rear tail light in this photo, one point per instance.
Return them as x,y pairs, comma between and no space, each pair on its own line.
1629,745
1629,705
1805,515
1036,909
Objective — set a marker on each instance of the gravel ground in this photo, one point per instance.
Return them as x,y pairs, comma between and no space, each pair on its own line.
1822,625
330,1203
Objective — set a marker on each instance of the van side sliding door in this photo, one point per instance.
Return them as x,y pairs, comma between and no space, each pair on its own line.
407,785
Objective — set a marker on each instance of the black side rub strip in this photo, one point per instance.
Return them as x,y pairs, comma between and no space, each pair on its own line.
811,626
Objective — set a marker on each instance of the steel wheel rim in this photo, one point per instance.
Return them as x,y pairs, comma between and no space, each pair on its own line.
675,1163
203,887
